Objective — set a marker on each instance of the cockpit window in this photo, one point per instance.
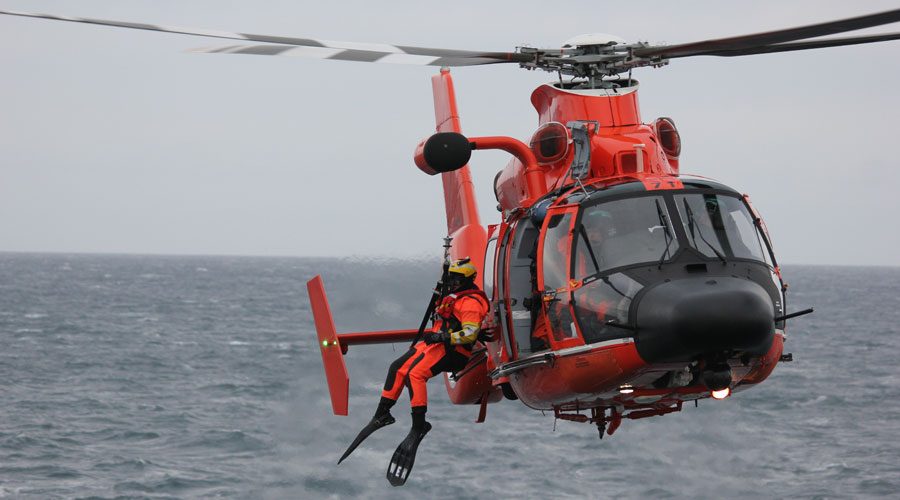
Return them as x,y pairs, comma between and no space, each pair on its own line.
603,304
557,249
556,252
720,226
623,232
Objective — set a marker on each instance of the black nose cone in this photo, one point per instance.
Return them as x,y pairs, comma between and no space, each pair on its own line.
683,319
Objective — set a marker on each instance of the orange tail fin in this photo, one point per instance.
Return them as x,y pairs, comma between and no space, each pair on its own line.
463,223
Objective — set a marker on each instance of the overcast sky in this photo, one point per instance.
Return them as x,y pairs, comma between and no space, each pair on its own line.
116,140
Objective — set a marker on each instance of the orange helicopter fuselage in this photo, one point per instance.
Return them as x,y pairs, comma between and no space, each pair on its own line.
566,373
618,285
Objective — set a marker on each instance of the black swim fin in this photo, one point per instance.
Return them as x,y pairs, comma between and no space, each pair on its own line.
405,456
373,425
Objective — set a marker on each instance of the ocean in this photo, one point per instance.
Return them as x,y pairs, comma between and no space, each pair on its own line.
200,377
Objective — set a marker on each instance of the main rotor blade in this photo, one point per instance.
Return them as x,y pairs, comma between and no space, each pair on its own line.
752,41
351,51
812,44
349,55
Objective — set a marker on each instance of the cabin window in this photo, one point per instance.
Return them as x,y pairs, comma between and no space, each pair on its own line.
502,294
720,226
488,275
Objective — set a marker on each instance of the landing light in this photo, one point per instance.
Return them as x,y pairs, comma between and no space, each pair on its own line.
626,389
724,393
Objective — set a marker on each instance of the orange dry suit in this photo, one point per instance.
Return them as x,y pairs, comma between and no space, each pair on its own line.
459,315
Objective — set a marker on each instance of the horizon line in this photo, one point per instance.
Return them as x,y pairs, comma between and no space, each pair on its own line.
417,257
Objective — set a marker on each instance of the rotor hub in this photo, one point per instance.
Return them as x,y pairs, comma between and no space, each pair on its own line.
591,56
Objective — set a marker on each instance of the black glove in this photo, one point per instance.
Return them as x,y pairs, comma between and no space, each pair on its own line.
435,338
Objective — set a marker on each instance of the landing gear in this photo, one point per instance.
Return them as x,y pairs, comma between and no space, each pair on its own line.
508,391
606,424
598,416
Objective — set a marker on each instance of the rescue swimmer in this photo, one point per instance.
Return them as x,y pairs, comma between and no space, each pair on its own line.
458,317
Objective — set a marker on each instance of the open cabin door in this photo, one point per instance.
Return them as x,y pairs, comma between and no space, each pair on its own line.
516,285
493,287
557,328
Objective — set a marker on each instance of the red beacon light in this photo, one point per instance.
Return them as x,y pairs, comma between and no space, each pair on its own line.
550,143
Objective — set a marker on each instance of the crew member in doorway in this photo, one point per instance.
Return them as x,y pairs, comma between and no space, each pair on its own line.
446,348
458,320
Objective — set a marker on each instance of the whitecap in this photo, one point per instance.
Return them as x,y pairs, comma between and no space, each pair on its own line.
816,400
818,421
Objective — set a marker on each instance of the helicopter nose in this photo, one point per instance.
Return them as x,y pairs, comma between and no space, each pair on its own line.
686,318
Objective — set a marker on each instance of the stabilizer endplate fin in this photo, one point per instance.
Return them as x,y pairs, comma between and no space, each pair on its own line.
332,356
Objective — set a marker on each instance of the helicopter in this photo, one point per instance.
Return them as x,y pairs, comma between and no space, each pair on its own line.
621,288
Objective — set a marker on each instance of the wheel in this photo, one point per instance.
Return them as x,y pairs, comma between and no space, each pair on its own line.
508,391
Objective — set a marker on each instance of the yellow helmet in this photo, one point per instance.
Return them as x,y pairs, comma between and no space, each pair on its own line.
462,268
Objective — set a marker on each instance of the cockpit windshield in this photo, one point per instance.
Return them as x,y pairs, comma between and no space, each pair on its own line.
596,255
623,232
720,226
